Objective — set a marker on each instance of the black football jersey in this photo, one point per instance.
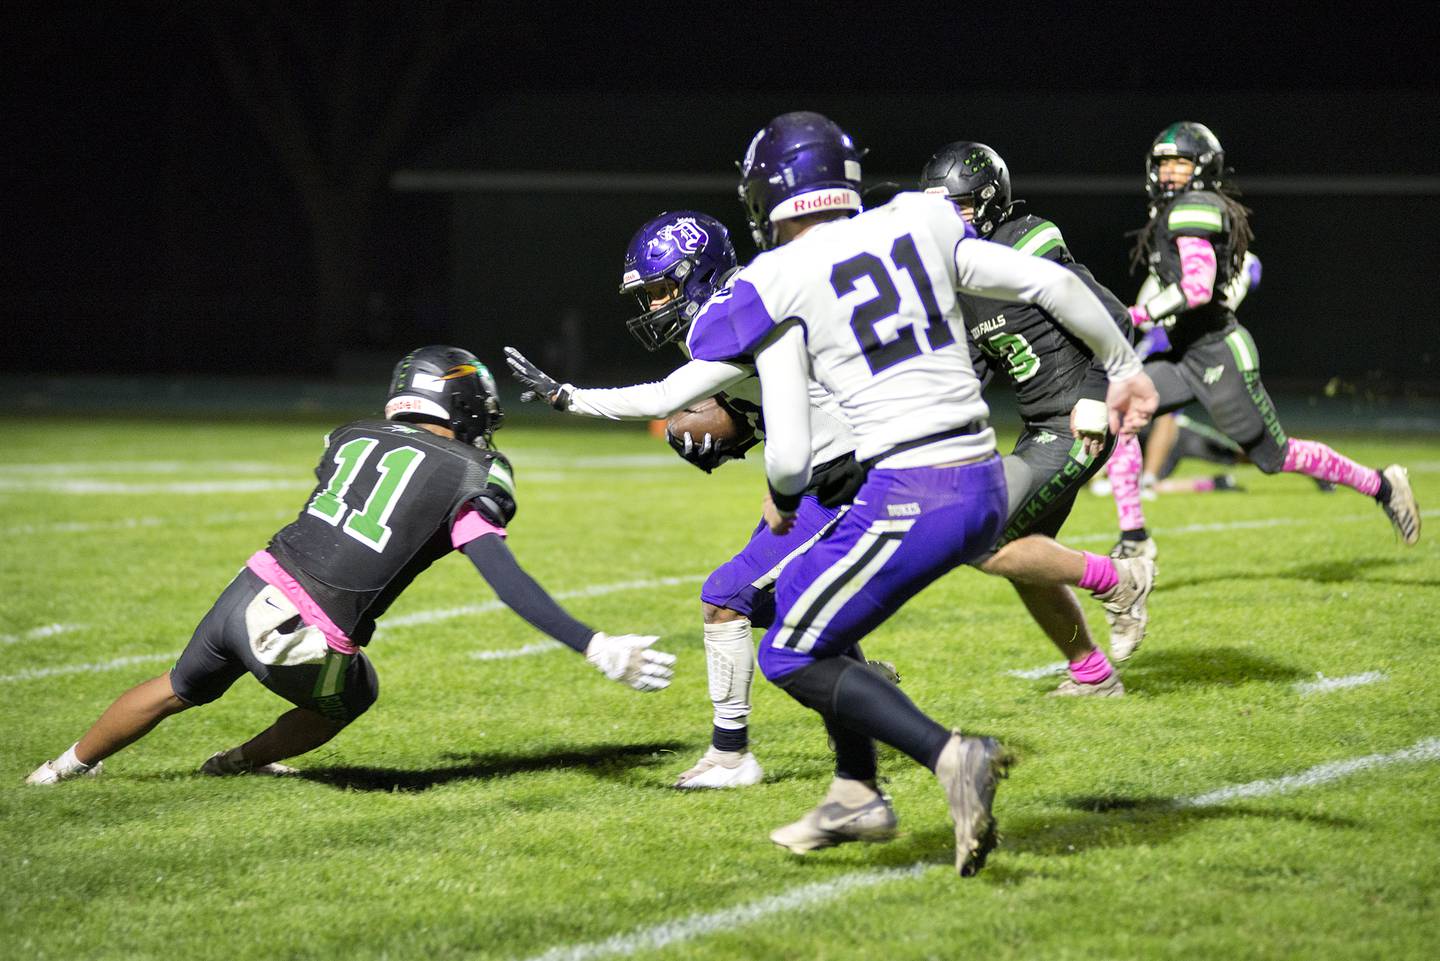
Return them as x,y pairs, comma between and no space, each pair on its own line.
387,496
1049,367
1194,213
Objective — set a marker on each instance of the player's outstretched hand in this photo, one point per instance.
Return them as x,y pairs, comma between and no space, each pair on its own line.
536,382
627,658
1131,402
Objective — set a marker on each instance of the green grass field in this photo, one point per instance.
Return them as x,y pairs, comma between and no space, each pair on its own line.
519,807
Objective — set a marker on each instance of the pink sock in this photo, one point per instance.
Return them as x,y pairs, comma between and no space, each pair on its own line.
1099,574
1092,668
1314,459
1203,484
1124,473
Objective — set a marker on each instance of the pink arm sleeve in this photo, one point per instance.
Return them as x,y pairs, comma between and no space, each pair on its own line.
1197,270
469,525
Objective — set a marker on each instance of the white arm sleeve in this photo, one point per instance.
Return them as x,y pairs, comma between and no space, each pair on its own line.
784,367
661,398
999,272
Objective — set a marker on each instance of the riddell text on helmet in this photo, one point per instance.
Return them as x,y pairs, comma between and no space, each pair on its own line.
822,201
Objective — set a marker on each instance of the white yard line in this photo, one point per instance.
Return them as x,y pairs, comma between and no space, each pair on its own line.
505,654
90,468
36,672
1426,750
694,926
35,633
135,523
420,618
408,620
1035,673
92,487
698,925
1220,527
1324,685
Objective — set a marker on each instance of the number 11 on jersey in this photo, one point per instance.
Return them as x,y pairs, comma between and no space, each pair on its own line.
367,525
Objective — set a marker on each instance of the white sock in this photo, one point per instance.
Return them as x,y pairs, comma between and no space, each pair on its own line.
68,763
730,664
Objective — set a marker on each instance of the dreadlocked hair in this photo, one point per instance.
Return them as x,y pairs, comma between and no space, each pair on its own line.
1240,232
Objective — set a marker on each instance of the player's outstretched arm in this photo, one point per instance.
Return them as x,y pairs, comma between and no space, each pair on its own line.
684,386
625,658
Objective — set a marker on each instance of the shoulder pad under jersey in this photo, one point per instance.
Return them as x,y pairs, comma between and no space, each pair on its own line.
1196,213
1033,235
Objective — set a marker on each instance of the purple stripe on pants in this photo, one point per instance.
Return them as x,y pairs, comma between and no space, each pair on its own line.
744,582
905,529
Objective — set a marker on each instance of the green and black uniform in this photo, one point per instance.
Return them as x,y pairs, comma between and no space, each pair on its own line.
1212,357
1050,370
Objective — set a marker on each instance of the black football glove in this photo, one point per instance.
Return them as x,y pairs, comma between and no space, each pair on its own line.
705,453
536,382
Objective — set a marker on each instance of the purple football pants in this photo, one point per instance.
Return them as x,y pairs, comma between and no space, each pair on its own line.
905,529
746,582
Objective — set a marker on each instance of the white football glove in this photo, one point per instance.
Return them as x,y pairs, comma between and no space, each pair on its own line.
629,660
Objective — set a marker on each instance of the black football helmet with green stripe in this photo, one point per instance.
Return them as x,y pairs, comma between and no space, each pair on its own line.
1195,143
971,171
449,387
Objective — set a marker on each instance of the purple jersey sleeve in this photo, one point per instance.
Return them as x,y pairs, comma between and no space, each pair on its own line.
731,324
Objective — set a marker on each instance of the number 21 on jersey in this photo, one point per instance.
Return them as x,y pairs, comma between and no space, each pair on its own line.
879,354
367,524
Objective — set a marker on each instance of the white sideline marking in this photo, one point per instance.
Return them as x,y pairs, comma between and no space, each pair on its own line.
698,925
1035,673
35,633
1324,685
1425,750
541,647
31,674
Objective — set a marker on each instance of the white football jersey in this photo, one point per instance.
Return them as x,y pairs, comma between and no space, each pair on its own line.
876,296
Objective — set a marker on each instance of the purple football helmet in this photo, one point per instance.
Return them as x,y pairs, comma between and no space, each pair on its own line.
799,163
690,249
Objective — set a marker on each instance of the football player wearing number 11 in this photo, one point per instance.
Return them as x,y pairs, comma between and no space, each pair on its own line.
866,305
394,496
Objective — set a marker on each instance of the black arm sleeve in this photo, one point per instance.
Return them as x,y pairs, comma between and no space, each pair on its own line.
519,591
1117,310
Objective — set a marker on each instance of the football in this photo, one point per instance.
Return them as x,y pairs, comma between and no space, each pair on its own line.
710,416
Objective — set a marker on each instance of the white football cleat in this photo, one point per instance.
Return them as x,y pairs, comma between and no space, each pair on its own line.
227,763
1124,548
1401,508
48,773
718,768
836,822
970,769
1126,608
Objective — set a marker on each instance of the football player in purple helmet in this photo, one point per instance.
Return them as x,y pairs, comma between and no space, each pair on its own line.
674,264
866,304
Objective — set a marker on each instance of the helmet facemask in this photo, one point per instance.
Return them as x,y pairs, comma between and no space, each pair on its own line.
689,252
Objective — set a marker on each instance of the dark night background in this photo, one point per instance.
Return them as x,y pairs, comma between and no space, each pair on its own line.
309,189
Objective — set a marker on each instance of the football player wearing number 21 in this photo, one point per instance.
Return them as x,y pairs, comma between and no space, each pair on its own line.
394,496
866,304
